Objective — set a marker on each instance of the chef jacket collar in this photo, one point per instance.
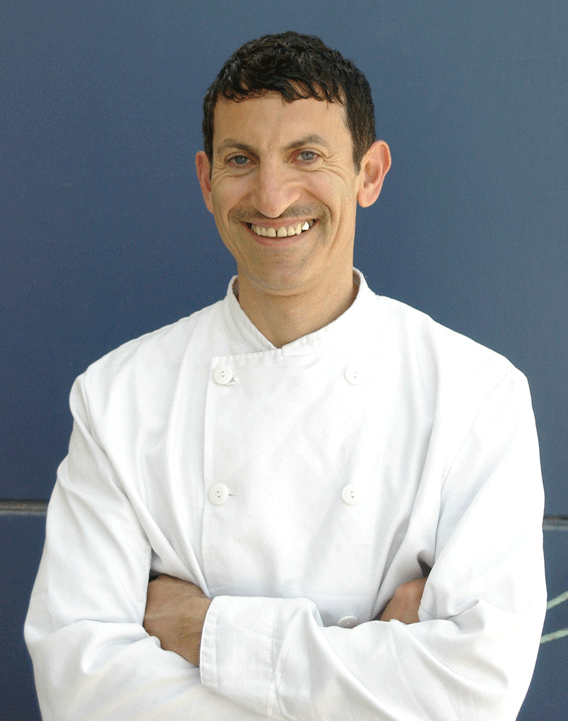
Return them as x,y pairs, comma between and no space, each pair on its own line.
350,327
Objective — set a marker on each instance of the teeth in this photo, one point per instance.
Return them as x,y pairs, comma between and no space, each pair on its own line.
282,232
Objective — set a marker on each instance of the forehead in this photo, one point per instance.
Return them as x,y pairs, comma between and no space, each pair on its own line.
269,121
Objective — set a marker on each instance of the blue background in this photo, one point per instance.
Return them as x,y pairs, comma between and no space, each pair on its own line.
104,236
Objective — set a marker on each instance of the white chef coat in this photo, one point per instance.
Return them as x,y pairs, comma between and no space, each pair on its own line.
298,487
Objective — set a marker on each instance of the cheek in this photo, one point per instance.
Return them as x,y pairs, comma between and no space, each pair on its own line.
339,199
221,206
332,189
217,203
227,194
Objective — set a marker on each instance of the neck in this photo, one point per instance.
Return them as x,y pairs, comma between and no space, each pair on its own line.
285,318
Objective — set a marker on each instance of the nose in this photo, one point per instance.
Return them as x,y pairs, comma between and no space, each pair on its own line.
275,189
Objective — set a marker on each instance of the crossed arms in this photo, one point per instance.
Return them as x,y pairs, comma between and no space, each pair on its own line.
176,611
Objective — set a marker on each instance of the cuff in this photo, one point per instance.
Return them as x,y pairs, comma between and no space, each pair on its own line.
239,648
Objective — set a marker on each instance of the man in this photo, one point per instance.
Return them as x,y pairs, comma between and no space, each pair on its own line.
339,500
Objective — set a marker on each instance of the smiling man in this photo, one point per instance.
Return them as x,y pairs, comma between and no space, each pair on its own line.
284,186
312,475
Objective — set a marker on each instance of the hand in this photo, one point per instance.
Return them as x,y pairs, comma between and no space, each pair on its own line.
404,605
175,614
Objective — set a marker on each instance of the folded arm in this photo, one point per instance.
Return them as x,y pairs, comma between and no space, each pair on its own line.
176,610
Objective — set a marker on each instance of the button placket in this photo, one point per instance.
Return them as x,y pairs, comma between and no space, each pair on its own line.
223,375
348,622
218,494
351,495
354,375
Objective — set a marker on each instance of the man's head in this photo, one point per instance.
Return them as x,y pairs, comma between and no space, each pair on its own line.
296,66
283,172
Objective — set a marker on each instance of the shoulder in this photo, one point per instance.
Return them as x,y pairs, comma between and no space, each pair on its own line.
418,331
153,355
431,355
462,387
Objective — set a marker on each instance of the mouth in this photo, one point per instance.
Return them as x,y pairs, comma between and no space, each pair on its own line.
284,231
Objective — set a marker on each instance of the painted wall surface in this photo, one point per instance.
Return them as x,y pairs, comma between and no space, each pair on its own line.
103,231
104,236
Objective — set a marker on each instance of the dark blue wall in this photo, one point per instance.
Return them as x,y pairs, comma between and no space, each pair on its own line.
103,234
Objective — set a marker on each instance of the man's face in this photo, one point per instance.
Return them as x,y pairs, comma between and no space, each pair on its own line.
283,190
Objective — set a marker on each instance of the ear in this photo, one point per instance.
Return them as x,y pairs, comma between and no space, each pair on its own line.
203,167
374,166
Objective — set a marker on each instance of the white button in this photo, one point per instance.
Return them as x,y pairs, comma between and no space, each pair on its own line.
348,622
218,494
223,375
354,375
350,495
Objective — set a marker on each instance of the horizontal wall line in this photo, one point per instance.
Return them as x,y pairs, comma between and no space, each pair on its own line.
26,507
555,523
22,507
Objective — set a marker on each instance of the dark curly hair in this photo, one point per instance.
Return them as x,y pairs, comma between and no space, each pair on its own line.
296,66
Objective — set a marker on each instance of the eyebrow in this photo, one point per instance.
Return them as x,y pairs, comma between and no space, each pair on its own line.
312,139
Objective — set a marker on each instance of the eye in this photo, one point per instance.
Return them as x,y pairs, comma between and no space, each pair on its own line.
239,161
307,156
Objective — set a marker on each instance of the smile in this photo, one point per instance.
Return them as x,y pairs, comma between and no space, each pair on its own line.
283,231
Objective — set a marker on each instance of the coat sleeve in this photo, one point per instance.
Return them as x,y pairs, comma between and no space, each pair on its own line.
92,658
472,654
